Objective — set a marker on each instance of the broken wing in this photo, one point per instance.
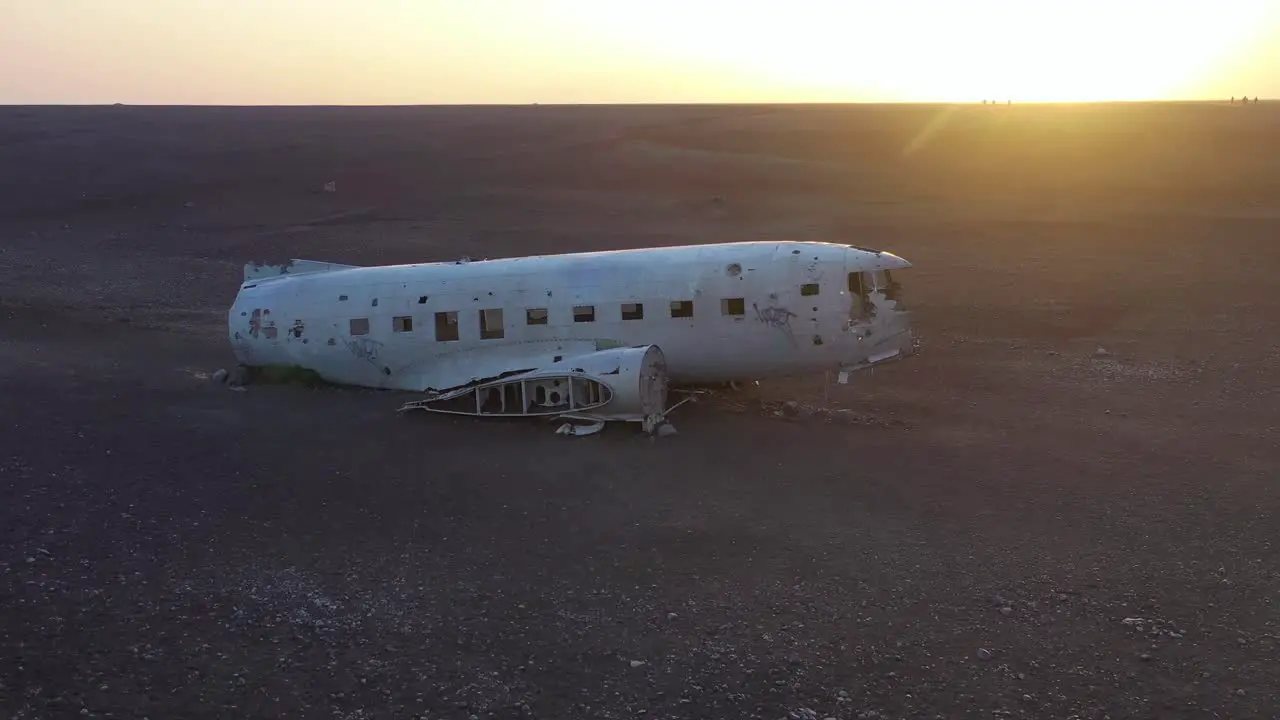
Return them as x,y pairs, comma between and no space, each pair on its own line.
622,383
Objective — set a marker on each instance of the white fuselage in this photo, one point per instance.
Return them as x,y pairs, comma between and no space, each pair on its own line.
719,312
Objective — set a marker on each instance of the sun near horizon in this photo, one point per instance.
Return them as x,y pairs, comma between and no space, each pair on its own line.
376,52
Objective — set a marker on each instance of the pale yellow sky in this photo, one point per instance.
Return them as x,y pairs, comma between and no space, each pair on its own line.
355,52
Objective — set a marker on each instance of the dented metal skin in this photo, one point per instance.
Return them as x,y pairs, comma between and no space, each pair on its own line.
760,309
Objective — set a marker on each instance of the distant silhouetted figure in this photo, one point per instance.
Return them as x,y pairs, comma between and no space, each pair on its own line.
1233,99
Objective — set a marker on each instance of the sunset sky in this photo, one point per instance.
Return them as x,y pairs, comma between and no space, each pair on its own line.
356,52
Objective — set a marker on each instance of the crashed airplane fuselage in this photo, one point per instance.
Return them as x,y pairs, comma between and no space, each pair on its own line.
597,336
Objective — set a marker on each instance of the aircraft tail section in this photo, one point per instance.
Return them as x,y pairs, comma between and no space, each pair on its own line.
260,271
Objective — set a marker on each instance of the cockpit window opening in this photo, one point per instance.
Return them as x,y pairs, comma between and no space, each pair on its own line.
891,286
856,284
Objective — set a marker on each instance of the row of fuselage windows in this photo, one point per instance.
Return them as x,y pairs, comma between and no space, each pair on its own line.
492,321
493,327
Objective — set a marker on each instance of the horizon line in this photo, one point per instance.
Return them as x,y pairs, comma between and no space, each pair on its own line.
1003,101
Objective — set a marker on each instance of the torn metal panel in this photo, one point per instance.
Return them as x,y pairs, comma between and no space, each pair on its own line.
580,430
260,271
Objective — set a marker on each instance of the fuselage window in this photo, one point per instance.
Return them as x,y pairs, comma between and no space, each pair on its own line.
422,299
535,316
491,324
584,313
632,311
733,306
447,326
809,289
402,324
342,298
359,326
681,308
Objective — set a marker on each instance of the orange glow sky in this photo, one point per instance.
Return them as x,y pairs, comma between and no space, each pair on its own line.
356,52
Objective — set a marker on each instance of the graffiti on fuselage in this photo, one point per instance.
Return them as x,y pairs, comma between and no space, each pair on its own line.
776,317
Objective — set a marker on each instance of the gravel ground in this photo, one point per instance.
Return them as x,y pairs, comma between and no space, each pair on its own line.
1064,508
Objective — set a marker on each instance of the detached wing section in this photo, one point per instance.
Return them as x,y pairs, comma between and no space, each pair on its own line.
625,384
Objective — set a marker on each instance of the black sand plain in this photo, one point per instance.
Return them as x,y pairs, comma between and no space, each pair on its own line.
1014,526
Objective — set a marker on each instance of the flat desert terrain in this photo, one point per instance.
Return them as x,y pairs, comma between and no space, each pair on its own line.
1018,525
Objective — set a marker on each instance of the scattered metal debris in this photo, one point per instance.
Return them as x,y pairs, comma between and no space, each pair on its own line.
239,377
579,430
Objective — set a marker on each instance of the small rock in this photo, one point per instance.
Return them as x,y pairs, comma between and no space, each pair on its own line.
672,616
220,376
30,560
1101,352
637,663
1006,610
791,408
1144,656
666,429
984,654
